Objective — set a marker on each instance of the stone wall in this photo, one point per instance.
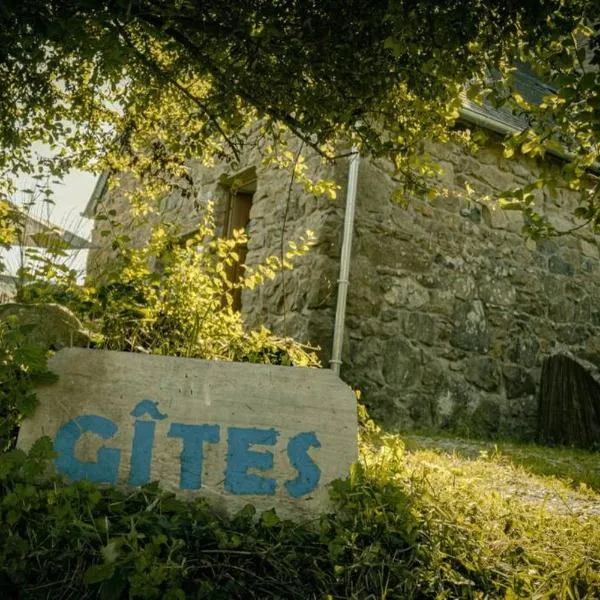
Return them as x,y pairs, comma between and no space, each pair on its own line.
451,310
297,303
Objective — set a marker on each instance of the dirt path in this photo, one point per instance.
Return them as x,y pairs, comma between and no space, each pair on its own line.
514,481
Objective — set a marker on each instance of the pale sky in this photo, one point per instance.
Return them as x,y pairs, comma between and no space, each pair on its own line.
71,198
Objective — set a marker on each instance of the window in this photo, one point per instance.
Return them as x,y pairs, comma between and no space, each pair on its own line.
237,216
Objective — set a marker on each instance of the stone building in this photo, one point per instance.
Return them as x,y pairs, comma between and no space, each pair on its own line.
450,310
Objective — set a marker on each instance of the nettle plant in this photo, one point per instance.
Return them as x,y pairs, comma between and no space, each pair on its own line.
174,296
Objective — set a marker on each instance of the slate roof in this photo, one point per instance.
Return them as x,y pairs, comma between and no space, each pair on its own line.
531,89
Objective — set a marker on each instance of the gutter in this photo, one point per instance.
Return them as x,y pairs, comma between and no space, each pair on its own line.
33,225
343,281
496,125
487,122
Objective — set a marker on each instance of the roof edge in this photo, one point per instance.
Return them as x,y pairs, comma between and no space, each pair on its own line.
97,193
476,118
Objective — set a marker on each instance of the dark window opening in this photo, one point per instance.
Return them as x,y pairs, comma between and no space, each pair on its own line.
238,217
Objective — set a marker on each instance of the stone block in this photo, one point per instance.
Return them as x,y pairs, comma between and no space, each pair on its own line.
554,287
499,292
547,247
366,355
432,376
453,403
362,301
517,381
401,363
406,293
420,327
420,410
558,266
472,213
495,178
590,265
471,331
523,350
464,288
321,283
589,250
483,372
442,301
582,310
571,334
520,169
486,419
494,217
50,325
375,188
235,433
389,407
592,348
319,331
514,221
560,310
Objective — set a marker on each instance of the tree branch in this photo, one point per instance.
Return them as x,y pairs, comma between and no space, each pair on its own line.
166,77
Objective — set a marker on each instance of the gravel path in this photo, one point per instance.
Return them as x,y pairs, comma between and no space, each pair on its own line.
517,483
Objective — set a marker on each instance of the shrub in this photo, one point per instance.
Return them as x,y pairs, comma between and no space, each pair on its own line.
22,367
174,296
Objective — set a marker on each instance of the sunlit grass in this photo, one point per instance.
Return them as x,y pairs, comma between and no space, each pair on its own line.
489,517
572,466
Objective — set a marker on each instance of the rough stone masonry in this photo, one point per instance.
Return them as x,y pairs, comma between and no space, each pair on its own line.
450,309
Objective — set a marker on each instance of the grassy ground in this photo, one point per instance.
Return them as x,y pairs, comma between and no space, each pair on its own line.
571,466
526,515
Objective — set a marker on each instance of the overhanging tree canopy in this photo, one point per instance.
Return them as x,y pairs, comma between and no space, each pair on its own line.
146,84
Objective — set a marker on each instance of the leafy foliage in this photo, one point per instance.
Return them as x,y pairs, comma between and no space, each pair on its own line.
566,122
7,227
22,367
142,86
171,296
175,297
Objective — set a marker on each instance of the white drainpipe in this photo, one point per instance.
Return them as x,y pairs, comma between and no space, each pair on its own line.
340,312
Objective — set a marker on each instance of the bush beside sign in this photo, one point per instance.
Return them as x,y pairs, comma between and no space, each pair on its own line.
237,433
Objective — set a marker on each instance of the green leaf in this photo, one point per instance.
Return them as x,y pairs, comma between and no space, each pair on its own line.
42,449
27,404
269,519
98,573
529,146
10,462
114,588
111,552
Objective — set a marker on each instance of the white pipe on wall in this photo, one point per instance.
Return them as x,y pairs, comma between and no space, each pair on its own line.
343,281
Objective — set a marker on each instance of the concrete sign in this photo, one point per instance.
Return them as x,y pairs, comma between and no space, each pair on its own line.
237,433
